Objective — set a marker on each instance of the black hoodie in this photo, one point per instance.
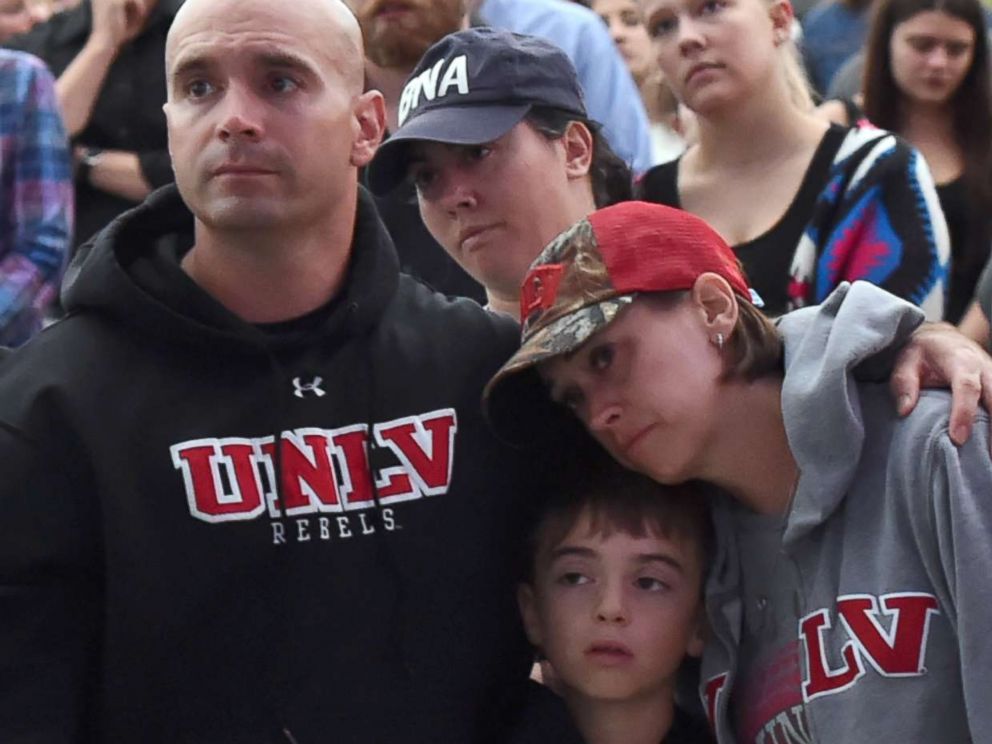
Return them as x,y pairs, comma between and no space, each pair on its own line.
154,588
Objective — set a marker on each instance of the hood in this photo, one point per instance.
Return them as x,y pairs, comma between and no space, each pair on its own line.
130,272
825,348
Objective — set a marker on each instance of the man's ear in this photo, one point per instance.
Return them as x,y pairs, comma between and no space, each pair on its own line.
370,114
714,297
527,603
782,15
578,142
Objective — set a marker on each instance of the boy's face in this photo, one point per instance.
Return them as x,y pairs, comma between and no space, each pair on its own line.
615,615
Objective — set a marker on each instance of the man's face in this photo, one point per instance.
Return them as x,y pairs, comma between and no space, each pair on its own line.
398,32
265,113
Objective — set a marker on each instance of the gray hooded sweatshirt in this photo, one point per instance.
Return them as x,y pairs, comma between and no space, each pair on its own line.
865,613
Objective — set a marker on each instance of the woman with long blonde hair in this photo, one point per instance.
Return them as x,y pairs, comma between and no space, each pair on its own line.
804,204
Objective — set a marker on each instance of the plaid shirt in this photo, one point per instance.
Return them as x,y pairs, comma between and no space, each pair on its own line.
36,210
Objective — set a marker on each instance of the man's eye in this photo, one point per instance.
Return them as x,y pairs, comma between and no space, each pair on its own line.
283,84
601,357
199,89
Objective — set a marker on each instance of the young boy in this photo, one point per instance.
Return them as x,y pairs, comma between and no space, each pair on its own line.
613,599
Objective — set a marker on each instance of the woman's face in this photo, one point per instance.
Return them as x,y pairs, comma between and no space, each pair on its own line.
716,53
626,24
646,387
930,54
494,206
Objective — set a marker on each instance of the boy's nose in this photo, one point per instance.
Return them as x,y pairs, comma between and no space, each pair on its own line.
611,607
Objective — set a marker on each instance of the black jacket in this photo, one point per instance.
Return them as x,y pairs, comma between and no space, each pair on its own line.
152,586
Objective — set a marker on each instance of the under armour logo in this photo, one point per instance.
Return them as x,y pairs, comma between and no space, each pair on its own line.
310,387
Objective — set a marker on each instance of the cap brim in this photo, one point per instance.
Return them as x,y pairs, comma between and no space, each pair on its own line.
454,125
516,386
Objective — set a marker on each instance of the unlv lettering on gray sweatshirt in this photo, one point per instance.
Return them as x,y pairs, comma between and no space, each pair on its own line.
875,627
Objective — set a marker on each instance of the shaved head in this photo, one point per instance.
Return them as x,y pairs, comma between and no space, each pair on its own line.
328,25
268,121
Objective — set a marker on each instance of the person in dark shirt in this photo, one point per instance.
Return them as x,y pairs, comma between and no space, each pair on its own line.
107,56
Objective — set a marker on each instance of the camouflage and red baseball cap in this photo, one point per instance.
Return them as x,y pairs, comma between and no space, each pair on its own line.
588,274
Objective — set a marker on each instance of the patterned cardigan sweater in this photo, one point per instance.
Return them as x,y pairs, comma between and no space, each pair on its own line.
878,219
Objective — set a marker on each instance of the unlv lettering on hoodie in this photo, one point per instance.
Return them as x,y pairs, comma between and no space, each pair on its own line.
323,470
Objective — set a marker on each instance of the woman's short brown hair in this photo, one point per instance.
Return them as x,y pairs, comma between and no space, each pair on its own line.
754,349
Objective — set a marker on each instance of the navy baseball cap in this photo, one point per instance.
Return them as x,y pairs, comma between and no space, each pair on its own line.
472,87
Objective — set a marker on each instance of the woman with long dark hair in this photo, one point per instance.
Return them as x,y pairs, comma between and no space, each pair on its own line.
927,79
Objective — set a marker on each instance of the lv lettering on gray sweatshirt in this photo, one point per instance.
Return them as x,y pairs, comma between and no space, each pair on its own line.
865,614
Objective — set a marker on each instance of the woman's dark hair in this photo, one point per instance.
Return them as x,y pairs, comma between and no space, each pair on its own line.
971,103
612,181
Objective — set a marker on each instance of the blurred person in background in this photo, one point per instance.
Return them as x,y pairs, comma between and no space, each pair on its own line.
975,324
625,22
19,17
833,32
805,205
611,95
107,56
35,195
927,79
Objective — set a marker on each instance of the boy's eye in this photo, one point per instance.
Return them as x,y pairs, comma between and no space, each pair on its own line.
711,6
650,584
573,578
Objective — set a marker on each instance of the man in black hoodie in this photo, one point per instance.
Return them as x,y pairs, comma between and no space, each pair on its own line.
247,491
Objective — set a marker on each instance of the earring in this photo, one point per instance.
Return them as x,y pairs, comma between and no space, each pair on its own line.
718,341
